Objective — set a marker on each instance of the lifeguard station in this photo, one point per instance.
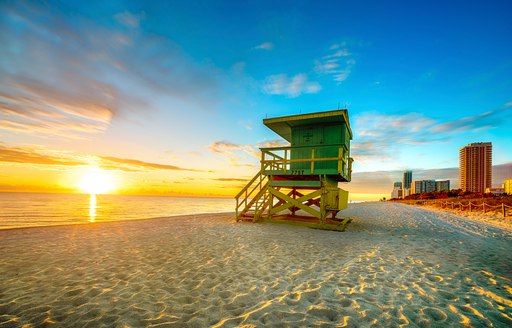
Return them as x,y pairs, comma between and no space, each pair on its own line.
305,175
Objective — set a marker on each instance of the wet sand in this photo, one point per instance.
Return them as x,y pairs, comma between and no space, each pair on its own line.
394,265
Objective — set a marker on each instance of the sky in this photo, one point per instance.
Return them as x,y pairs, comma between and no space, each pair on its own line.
168,97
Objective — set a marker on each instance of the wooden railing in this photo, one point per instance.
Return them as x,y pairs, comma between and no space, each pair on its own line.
251,193
505,210
306,160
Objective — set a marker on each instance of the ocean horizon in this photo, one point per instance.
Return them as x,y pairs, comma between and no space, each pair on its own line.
23,209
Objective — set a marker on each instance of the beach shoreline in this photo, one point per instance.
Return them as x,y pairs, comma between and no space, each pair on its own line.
231,215
394,264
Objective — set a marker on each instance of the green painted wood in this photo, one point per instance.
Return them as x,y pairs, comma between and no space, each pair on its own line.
317,135
283,125
293,183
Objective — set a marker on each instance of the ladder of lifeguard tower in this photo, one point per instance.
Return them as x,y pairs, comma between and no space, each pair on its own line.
253,199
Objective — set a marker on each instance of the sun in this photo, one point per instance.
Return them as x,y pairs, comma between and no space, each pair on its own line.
96,181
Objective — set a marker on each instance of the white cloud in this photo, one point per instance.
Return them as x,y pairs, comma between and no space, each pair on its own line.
377,137
373,132
486,120
338,63
337,45
238,154
67,75
265,46
281,84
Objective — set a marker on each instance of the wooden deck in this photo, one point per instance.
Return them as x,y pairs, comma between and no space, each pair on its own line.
336,224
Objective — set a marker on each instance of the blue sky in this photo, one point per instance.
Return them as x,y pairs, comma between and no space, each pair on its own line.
187,84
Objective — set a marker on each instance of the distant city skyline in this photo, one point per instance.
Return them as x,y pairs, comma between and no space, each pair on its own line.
475,174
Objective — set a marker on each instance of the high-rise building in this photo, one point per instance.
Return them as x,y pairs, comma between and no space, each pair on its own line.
507,186
442,185
475,167
396,193
418,187
406,180
397,190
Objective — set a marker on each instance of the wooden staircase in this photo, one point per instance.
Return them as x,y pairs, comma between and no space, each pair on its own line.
253,200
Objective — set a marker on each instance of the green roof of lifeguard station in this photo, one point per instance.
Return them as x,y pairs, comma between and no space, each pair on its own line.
283,125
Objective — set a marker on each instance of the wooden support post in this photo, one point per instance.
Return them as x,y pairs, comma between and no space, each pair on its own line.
470,207
285,159
236,209
323,213
294,196
340,157
483,205
503,209
270,205
312,160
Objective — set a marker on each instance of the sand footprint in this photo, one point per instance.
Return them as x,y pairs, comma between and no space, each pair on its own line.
435,314
328,315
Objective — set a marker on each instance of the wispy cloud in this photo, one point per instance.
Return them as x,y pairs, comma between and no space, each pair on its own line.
137,165
265,46
373,131
338,63
274,143
71,76
233,151
40,156
486,120
33,107
32,156
130,19
223,146
231,179
237,153
294,86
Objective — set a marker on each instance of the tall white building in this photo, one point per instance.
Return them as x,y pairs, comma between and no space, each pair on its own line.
397,191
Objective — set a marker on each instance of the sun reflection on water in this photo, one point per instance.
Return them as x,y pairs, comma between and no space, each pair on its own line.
92,207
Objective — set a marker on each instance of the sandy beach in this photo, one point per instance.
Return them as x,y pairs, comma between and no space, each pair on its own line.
395,265
493,218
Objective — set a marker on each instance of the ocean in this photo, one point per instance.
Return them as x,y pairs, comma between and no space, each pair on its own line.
19,210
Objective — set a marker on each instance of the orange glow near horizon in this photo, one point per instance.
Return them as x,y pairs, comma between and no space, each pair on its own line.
96,181
365,197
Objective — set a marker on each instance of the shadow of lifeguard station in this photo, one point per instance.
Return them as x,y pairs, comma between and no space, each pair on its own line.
303,176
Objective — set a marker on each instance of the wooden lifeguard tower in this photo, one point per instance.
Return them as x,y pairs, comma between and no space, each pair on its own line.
303,176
